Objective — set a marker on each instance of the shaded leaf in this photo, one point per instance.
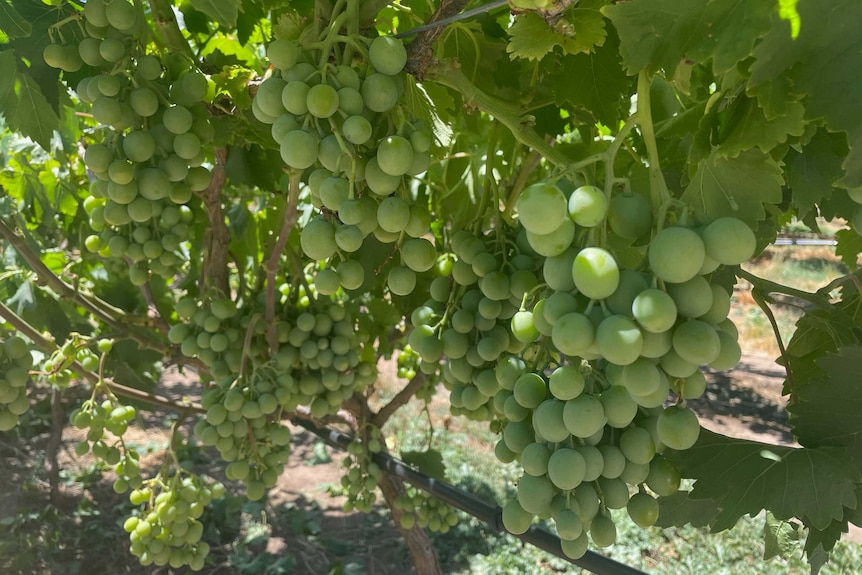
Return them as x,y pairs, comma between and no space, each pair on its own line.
12,23
580,31
811,173
849,247
745,477
429,462
680,509
752,129
780,538
222,11
737,187
32,115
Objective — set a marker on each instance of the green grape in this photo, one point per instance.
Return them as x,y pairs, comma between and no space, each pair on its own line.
548,421
523,328
393,214
566,468
147,67
678,427
729,241
535,493
569,524
327,281
629,215
615,492
381,183
94,13
619,407
696,342
643,509
694,385
515,519
187,146
720,306
557,270
401,280
663,478
177,119
356,129
594,461
387,54
348,238
654,310
676,254
631,285
269,97
693,298
282,54
282,125
333,192
675,366
317,239
603,531
139,146
299,149
554,243
121,14
530,390
394,155
641,377
418,254
637,445
574,548
614,461
542,208
729,352
566,382
534,459
322,101
595,273
107,111
588,206
294,97
379,92
619,340
518,435
573,334
584,416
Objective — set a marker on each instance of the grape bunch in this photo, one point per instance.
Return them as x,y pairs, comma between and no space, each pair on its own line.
243,421
111,416
167,531
583,406
15,363
154,130
362,475
343,121
420,508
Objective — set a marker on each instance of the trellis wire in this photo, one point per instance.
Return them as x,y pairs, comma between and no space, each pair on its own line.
490,514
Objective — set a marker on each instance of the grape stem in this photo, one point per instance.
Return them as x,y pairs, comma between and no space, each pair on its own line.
448,73
658,188
761,297
214,275
272,264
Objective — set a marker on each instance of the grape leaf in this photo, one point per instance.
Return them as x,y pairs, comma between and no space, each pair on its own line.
224,12
429,462
659,34
820,542
31,115
736,187
573,81
849,247
827,410
752,129
8,73
780,538
680,509
816,69
580,31
745,477
811,173
12,23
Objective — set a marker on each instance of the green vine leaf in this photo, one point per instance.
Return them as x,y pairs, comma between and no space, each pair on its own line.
745,477
680,509
811,172
659,34
849,247
429,462
224,12
752,129
30,113
12,23
737,187
780,538
580,31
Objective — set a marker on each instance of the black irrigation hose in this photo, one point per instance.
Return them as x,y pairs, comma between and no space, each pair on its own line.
491,514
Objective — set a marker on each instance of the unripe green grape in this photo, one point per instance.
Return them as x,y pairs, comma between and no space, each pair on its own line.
654,310
603,531
394,155
535,494
393,214
584,416
619,407
418,254
555,242
729,241
322,101
663,478
637,445
720,306
401,280
542,208
387,55
619,340
283,54
357,129
139,146
696,342
515,519
317,239
676,254
629,215
121,14
379,92
678,427
643,509
573,334
588,206
299,149
518,435
112,50
693,298
381,183
595,273
729,352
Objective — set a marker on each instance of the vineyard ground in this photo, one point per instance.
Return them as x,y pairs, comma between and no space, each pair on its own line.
303,528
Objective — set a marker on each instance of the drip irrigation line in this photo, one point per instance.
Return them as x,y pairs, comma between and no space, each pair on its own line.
457,17
490,514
